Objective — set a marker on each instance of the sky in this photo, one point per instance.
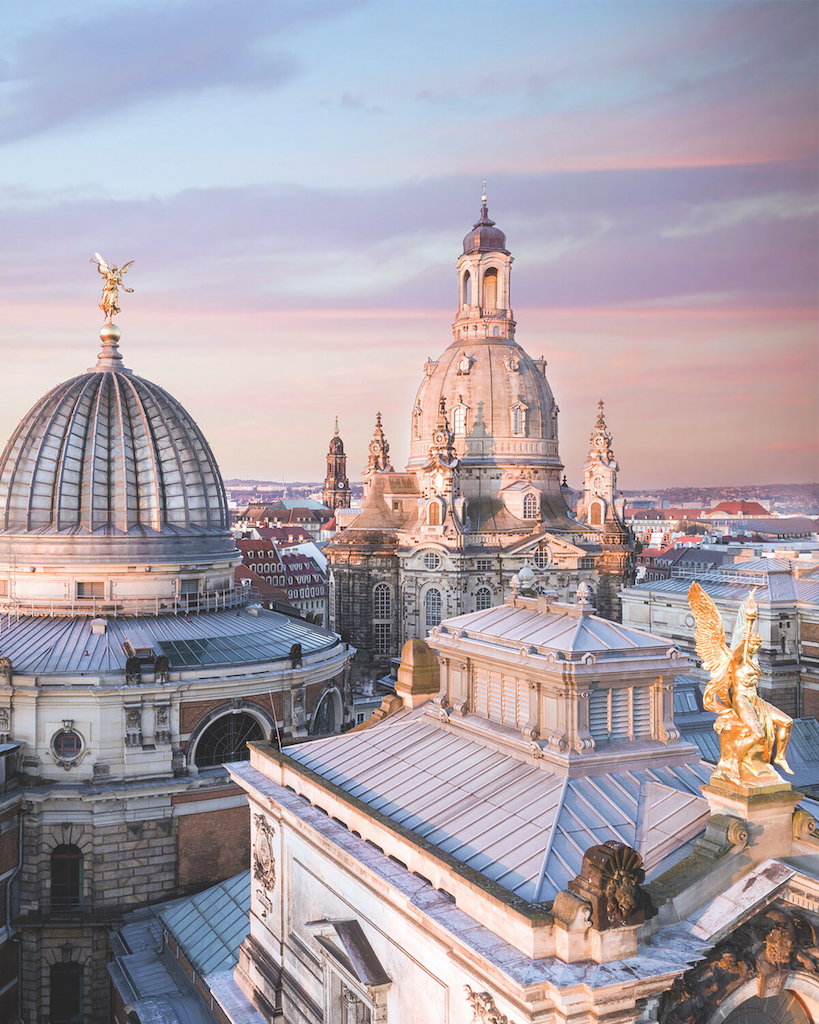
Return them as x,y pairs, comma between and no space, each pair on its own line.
293,179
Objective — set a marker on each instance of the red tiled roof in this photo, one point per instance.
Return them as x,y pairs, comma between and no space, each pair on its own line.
748,508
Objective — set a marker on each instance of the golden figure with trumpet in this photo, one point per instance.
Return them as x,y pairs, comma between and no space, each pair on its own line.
752,733
112,282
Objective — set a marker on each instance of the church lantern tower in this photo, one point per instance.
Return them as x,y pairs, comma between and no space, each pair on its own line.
336,491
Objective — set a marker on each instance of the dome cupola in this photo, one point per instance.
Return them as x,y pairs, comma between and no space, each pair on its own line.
105,480
484,236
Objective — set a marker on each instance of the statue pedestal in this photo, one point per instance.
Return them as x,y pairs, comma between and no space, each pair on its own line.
767,809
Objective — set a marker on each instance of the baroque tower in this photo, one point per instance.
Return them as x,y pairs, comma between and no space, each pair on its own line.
599,475
336,492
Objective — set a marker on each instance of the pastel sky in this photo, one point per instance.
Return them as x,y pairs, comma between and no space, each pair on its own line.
294,177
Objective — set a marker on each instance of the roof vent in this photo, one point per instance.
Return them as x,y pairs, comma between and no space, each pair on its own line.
98,626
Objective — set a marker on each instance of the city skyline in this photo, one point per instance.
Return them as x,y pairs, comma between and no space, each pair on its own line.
294,184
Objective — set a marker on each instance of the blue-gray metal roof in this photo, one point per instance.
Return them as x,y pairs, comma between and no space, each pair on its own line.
210,926
560,628
515,821
41,645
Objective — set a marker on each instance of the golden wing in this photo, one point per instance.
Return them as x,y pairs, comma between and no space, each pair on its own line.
123,269
103,265
710,635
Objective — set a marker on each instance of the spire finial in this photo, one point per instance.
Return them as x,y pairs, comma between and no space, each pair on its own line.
112,282
335,432
483,197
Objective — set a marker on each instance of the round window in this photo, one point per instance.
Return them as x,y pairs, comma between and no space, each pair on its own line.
431,560
541,558
67,745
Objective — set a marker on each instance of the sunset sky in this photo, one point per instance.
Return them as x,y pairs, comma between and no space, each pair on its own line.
294,179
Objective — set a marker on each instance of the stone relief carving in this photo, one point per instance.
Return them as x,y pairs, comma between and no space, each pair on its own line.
5,724
6,671
264,862
162,726
133,674
610,880
767,949
484,1010
133,726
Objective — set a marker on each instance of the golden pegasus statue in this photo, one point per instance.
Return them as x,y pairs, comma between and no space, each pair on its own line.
752,733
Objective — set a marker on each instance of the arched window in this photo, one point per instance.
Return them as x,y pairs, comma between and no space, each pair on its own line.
225,739
466,290
518,420
66,877
382,601
596,514
530,506
495,332
327,718
434,513
490,288
66,993
432,602
459,420
483,598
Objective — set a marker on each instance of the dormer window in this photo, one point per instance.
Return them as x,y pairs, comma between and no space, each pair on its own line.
464,364
530,506
518,412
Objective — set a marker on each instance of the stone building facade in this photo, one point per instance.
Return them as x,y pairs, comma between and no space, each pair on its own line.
534,843
131,666
481,495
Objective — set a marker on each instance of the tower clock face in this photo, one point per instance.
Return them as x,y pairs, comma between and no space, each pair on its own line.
375,447
599,442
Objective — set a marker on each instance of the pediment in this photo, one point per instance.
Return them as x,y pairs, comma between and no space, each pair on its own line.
558,545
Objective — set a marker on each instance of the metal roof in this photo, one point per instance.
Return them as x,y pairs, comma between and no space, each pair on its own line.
40,645
211,926
514,821
557,628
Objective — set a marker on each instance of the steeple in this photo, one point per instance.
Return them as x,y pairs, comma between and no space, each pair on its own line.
379,449
599,476
336,491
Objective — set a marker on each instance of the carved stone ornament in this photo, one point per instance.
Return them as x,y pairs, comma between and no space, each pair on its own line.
610,880
768,948
264,862
6,670
5,724
483,1008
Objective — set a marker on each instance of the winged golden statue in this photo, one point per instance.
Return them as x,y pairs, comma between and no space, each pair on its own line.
752,733
111,284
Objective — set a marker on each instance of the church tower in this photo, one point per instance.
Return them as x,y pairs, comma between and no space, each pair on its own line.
336,492
599,476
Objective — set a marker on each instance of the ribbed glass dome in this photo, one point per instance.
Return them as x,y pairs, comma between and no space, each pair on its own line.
111,453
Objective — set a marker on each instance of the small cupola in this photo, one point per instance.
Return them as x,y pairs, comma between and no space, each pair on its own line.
484,236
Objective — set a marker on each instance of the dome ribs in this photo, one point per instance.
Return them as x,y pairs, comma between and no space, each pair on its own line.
67,496
150,487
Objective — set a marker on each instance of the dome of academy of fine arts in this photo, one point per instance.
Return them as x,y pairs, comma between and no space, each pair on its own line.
109,493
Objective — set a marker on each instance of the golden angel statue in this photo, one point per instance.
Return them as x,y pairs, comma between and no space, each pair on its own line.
752,733
112,283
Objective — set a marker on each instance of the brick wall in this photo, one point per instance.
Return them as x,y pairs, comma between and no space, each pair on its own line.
213,845
192,712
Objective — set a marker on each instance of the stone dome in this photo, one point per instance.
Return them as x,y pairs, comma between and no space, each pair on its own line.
498,401
484,236
109,469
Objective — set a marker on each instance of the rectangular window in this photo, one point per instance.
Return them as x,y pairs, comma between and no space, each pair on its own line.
484,565
4,588
87,590
381,637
